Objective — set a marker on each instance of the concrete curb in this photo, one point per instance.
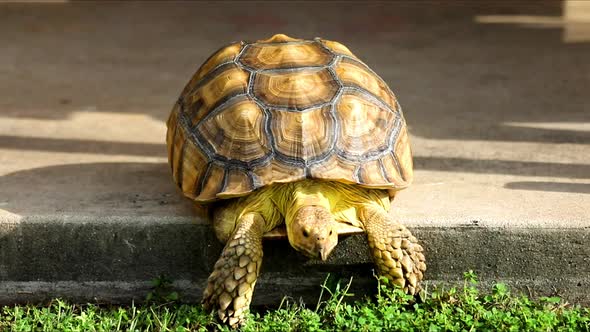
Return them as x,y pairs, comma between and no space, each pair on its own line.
114,261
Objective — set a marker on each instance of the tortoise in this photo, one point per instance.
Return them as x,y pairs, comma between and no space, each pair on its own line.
294,132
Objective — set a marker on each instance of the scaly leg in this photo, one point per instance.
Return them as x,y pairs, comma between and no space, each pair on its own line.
231,284
396,252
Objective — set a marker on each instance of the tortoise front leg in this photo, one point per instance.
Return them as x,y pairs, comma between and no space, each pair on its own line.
396,252
231,284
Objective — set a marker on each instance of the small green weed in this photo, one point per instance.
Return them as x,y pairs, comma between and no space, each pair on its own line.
455,309
162,291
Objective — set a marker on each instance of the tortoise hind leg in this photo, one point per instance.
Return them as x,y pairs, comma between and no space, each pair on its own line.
231,284
396,252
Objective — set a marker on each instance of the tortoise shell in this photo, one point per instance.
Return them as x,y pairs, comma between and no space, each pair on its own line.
283,110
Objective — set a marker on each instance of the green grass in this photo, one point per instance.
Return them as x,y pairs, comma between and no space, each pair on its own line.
455,309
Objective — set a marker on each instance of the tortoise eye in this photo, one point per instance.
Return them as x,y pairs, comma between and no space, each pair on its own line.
330,233
305,233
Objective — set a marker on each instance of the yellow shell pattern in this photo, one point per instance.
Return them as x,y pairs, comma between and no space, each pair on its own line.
283,110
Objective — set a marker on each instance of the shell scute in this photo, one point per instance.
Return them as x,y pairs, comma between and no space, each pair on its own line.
229,82
355,74
371,173
403,153
277,171
238,183
236,131
224,55
171,123
264,56
212,184
303,135
392,168
335,168
299,89
192,170
364,126
176,157
337,48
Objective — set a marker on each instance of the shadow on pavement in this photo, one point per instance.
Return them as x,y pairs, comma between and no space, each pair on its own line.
112,189
127,172
563,187
82,146
508,167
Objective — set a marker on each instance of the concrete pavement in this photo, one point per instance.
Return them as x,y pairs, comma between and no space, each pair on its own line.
498,112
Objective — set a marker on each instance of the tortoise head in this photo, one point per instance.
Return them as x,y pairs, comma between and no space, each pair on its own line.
313,232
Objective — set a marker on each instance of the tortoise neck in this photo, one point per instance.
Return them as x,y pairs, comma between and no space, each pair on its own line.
305,193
